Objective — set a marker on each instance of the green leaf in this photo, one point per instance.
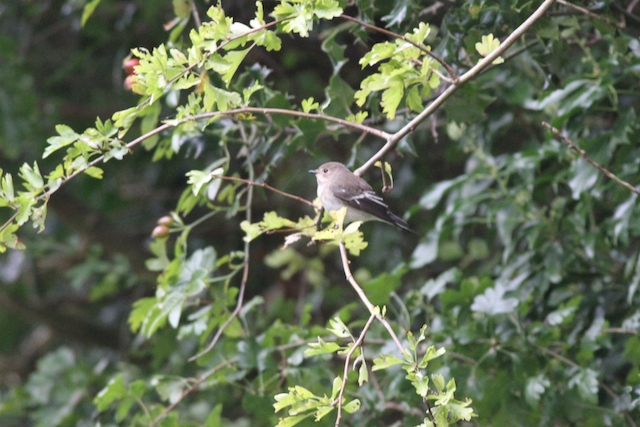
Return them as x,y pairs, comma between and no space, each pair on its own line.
352,406
363,371
88,10
25,208
535,388
385,361
94,172
198,179
487,46
438,381
291,421
8,192
66,136
427,251
431,354
181,8
338,328
321,347
586,382
309,104
229,65
114,390
380,288
493,301
420,383
32,177
335,389
432,197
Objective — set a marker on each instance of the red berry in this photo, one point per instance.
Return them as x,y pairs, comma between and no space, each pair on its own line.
160,231
165,220
128,65
128,82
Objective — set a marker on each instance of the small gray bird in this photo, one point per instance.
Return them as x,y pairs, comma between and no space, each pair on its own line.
338,187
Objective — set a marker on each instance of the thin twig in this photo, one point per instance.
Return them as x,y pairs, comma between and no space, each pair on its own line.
620,331
426,51
364,299
602,385
243,110
264,185
347,361
194,12
583,154
202,378
245,272
393,140
592,15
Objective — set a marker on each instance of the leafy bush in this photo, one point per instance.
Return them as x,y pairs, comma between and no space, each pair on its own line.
511,128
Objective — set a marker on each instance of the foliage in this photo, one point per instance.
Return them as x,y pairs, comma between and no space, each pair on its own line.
514,152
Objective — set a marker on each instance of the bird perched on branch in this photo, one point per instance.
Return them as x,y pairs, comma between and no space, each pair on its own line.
339,187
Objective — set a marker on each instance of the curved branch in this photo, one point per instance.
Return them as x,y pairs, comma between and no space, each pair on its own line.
242,110
363,297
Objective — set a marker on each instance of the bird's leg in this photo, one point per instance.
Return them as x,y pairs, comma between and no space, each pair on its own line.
385,185
319,219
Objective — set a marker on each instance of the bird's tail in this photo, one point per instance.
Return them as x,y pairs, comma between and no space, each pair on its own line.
400,223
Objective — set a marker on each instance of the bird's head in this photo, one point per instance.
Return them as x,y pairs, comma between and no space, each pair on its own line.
327,170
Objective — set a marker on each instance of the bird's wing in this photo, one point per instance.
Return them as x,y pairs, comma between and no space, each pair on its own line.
362,198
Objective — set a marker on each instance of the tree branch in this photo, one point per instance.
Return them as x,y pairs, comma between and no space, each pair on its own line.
345,374
372,309
423,49
245,271
202,378
393,140
620,26
583,154
265,185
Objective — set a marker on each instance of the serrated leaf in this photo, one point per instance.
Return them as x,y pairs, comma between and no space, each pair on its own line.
338,328
66,136
197,179
32,176
321,347
385,361
94,172
421,384
309,104
487,45
431,354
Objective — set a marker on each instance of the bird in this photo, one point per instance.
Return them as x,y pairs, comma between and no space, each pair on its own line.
339,187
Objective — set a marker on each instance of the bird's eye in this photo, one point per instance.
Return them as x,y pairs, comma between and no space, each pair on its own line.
325,170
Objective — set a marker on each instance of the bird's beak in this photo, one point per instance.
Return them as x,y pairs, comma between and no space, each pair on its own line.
313,171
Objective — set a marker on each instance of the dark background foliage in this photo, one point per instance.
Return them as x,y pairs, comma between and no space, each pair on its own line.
525,267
